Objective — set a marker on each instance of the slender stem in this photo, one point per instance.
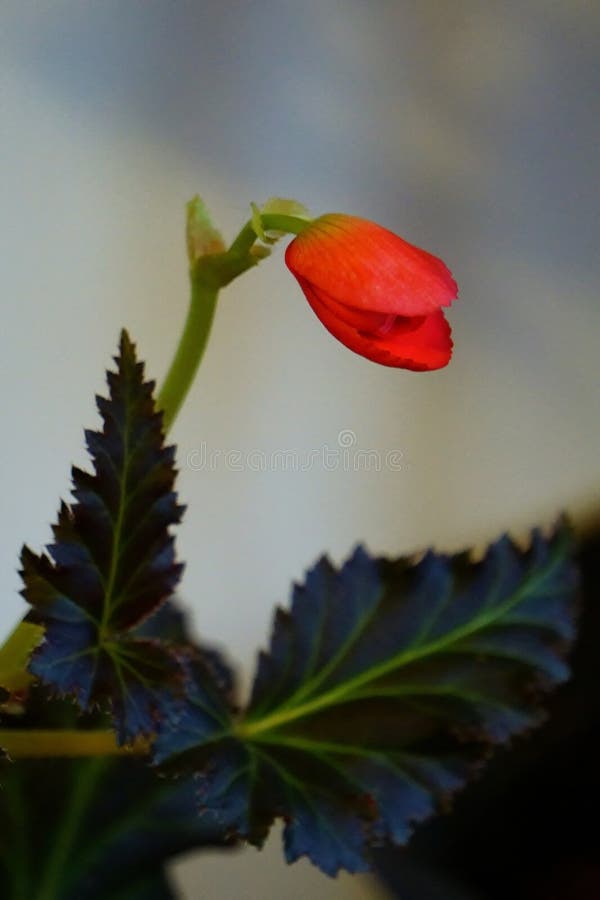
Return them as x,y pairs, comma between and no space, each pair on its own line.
34,743
17,855
191,348
244,240
208,275
84,782
288,224
270,222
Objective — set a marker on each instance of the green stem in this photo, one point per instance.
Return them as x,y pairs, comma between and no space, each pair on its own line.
16,855
288,224
244,240
270,222
191,348
36,743
209,274
84,782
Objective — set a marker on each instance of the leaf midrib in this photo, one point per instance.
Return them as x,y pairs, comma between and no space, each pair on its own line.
247,729
123,500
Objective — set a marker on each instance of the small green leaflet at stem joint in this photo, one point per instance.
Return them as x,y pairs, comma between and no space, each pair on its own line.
15,654
384,687
112,563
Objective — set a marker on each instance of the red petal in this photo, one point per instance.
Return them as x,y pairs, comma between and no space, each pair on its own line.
419,343
360,319
364,266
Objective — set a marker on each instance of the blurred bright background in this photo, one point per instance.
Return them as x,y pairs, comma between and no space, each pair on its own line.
470,128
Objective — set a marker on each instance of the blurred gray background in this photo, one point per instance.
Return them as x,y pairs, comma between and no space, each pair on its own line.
470,128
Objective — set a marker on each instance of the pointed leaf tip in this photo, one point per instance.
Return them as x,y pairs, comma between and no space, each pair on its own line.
112,562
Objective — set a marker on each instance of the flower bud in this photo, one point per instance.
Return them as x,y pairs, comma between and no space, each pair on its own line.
376,293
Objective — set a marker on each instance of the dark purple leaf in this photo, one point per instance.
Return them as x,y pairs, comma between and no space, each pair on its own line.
112,564
384,688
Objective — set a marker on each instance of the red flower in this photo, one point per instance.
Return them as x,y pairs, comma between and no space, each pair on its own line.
374,292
